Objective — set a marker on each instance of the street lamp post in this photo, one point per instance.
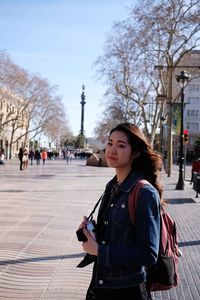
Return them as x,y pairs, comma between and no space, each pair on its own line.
162,120
182,79
170,70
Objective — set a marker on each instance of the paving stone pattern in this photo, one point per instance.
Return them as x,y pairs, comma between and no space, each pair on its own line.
40,209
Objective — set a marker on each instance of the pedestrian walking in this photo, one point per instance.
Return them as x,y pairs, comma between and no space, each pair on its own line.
67,155
195,168
21,157
71,157
120,250
25,157
31,155
2,157
44,156
37,156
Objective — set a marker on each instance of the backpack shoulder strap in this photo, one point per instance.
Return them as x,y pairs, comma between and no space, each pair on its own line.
133,197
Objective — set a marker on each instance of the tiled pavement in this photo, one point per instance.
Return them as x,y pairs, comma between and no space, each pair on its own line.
40,209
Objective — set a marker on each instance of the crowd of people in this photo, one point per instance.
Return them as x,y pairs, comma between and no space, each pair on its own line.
24,156
39,155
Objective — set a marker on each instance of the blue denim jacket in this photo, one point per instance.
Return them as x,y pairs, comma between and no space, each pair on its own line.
124,248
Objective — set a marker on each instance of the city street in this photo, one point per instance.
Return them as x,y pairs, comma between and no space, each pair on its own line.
40,210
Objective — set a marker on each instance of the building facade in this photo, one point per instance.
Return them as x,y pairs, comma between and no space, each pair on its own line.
191,119
12,124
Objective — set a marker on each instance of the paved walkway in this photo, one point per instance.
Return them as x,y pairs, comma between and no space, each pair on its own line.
40,209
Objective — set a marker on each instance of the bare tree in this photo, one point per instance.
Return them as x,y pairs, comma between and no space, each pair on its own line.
129,77
33,105
57,127
155,33
112,116
168,30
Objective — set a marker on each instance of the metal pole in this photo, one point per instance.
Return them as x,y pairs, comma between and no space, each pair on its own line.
180,183
162,145
170,137
185,155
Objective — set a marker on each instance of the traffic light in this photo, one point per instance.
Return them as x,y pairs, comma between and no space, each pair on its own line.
186,136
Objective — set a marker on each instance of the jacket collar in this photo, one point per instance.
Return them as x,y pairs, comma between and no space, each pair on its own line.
129,182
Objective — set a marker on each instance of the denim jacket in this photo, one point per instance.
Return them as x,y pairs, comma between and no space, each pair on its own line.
125,248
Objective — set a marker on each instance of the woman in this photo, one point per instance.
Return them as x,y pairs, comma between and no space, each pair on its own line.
121,250
25,157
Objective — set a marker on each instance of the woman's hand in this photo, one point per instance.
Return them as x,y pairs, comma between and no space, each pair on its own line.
84,223
91,246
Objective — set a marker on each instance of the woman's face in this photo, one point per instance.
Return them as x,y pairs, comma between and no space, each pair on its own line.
118,151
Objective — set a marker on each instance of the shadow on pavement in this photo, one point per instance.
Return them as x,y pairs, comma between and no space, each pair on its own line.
37,259
180,200
189,243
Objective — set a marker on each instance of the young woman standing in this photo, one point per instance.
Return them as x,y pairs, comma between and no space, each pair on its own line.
120,250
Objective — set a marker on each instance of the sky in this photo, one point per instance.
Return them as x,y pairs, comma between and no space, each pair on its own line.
60,40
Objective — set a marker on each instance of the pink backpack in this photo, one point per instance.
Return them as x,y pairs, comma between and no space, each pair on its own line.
164,274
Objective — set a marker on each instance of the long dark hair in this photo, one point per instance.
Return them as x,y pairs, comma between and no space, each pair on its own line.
148,161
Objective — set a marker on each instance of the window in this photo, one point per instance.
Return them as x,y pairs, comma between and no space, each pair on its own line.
193,126
192,113
194,100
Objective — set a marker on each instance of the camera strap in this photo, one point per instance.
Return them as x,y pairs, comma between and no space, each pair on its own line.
114,191
90,217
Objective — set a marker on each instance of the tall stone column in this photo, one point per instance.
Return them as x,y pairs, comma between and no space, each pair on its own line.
82,109
81,137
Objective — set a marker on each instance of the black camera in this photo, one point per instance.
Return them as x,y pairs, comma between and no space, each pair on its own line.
90,227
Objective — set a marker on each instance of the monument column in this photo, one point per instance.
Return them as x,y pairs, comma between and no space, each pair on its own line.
81,137
82,109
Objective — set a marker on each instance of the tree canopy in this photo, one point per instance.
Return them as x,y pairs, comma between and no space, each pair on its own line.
156,32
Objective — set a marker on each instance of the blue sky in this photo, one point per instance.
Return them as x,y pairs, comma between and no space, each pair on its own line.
60,40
